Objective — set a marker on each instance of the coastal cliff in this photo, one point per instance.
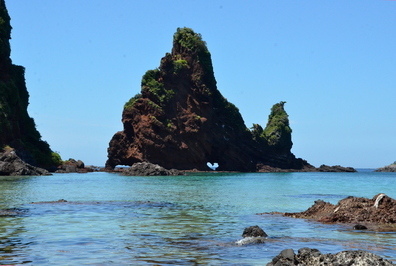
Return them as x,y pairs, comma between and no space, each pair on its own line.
17,128
180,120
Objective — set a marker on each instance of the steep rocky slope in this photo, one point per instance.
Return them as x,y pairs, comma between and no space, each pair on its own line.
17,128
180,120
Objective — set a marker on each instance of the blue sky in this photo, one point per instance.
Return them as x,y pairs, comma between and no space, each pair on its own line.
333,62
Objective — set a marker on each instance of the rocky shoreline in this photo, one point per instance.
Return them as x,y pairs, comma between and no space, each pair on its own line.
377,214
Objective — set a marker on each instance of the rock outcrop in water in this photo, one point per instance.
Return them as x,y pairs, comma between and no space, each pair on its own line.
180,120
388,168
378,211
252,235
17,128
308,256
149,169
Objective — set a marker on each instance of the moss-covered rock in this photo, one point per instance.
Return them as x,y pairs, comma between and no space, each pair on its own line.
278,132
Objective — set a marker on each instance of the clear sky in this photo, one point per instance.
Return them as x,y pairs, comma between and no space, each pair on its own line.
333,62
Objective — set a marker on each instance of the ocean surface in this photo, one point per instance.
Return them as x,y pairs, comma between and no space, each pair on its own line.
110,219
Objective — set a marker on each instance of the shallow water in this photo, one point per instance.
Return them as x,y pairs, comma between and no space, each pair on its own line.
183,220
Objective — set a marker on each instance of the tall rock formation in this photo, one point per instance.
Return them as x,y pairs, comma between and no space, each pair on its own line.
180,120
17,129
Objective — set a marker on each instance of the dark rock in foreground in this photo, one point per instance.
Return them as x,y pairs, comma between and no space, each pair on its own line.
149,169
307,256
12,165
380,210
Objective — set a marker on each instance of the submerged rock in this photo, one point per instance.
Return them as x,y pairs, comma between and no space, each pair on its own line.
380,210
149,169
181,120
12,165
308,256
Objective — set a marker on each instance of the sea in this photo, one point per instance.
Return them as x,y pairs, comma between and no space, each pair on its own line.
110,219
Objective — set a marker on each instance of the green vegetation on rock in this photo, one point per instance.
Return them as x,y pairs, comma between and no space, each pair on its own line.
132,101
151,86
178,65
189,40
278,132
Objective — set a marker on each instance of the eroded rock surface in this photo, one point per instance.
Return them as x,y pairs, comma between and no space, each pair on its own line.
380,210
180,120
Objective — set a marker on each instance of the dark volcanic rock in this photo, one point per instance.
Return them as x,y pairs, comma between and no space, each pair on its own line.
307,256
380,210
149,169
180,120
17,128
253,231
12,165
252,235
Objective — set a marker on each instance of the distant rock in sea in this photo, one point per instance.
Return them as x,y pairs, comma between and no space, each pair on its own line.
388,168
181,120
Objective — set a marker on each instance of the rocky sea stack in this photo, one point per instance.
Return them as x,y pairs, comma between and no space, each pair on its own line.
180,120
17,128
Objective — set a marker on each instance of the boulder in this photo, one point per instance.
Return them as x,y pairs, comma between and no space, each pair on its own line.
252,235
149,169
308,256
253,231
12,165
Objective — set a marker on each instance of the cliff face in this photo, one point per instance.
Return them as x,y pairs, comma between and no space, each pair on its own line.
180,120
17,129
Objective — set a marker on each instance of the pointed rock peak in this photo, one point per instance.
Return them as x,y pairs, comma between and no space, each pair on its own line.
278,132
181,120
186,40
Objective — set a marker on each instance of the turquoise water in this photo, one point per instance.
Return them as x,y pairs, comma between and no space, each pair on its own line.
183,220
